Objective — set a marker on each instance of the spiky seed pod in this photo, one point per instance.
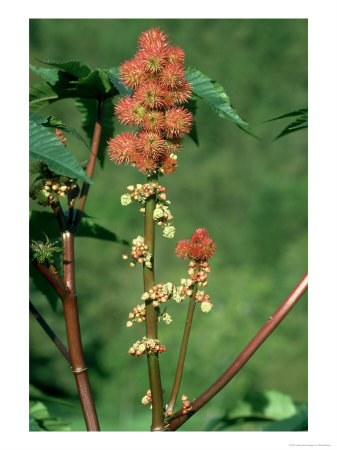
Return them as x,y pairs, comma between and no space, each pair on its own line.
151,94
153,121
183,92
173,75
130,111
178,121
175,55
152,58
150,145
153,37
122,148
132,73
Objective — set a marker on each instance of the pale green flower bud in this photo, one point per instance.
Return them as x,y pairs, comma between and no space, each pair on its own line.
142,347
169,232
157,213
206,307
126,199
167,318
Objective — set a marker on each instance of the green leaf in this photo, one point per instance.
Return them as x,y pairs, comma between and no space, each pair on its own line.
39,417
266,404
192,107
299,112
297,422
74,80
76,69
36,394
47,147
50,75
33,425
214,95
98,82
88,228
88,111
262,411
45,221
42,94
300,123
54,122
113,74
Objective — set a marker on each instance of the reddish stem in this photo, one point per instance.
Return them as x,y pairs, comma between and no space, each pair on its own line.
91,165
74,335
179,419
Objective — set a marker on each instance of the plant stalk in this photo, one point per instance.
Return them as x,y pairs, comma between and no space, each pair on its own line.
59,344
179,419
74,335
92,161
152,317
183,349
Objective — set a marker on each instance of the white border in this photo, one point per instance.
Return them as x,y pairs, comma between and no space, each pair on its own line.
322,223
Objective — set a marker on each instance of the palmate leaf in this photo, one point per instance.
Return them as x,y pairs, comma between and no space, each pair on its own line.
192,107
50,75
297,422
265,410
56,123
45,221
72,79
40,419
47,147
88,111
115,79
214,95
300,123
98,82
76,69
36,394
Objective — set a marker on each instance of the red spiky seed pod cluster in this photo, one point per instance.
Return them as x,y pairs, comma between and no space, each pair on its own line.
200,248
157,76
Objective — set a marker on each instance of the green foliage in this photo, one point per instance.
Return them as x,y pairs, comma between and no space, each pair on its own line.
300,123
214,95
37,395
192,107
264,411
73,80
113,74
88,109
54,122
47,147
40,220
40,419
77,69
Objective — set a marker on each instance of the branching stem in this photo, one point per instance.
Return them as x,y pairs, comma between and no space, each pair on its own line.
179,419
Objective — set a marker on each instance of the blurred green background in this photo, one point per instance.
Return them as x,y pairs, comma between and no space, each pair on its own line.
251,195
